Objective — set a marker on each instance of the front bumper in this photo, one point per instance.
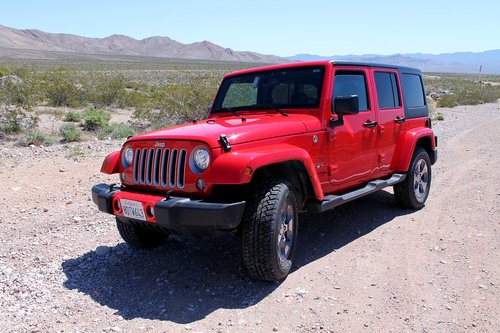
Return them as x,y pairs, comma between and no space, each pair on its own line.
178,215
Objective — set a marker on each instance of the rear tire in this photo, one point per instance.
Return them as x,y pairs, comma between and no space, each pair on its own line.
269,231
414,190
139,238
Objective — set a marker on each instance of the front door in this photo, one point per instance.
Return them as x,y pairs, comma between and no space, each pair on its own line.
353,145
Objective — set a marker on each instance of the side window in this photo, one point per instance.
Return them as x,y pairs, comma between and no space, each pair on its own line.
387,90
351,83
413,90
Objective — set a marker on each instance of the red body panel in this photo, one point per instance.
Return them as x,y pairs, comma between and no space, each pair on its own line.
230,168
111,163
256,142
353,147
147,201
388,130
407,143
256,127
189,187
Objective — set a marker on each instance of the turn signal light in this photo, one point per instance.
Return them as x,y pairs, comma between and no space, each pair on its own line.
200,184
428,123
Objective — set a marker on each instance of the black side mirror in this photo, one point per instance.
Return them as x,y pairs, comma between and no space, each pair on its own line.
343,106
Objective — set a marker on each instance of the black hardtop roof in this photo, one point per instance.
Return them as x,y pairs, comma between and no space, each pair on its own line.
373,64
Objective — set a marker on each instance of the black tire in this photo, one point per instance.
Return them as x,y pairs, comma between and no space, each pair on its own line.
269,231
414,190
139,238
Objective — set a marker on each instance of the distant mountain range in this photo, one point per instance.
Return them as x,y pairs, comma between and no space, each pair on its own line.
487,62
14,40
36,44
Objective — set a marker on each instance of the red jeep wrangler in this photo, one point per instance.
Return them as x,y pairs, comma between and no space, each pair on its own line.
279,140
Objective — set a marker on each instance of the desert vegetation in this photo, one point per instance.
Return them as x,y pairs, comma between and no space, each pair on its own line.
450,90
84,96
155,96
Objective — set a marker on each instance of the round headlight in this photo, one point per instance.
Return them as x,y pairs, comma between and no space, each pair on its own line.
127,157
201,158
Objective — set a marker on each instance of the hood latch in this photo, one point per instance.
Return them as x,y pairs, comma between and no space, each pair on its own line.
225,143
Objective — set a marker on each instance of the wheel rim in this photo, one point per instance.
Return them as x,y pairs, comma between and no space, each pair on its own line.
421,180
285,236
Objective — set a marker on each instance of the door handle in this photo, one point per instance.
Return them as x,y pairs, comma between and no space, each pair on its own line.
370,124
399,120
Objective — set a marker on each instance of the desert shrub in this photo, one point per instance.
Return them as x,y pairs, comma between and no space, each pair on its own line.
15,120
447,101
73,116
451,90
110,90
23,93
178,103
95,119
439,116
36,138
9,121
162,123
70,133
4,71
116,131
55,112
137,100
61,89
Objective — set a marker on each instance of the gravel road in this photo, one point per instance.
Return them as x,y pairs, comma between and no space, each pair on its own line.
368,266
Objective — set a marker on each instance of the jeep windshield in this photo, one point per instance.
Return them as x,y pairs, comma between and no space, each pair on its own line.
286,88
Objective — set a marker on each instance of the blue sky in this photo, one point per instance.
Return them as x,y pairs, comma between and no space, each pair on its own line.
276,27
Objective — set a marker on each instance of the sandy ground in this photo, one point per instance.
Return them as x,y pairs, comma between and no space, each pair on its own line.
365,267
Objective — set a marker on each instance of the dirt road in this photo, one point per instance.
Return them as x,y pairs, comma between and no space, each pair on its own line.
365,267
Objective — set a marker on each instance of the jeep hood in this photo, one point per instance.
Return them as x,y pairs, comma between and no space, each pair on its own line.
237,130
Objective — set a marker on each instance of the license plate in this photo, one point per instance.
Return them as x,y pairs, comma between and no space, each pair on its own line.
133,209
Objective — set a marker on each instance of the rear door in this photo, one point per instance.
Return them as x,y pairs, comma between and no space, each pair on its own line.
353,145
391,119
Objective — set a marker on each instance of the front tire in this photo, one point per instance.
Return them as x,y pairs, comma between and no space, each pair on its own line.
414,190
139,238
269,231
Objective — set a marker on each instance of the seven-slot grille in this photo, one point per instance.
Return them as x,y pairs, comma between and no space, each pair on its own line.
160,167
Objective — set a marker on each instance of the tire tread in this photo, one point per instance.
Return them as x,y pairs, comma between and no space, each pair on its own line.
403,192
139,238
258,246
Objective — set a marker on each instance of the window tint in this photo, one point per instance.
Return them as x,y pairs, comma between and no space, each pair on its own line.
395,90
413,90
387,90
298,94
240,93
347,84
284,88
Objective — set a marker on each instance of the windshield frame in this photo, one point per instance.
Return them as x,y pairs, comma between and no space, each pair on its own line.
218,106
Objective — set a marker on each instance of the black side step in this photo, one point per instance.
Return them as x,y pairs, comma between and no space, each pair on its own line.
332,201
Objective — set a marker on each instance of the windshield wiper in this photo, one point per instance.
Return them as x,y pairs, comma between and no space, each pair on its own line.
274,107
227,109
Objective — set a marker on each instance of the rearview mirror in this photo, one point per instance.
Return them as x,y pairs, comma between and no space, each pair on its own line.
346,105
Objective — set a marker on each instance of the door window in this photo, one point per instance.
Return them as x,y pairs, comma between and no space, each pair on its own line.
387,90
413,90
351,83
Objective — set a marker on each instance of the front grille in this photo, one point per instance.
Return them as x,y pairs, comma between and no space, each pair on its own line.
160,167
